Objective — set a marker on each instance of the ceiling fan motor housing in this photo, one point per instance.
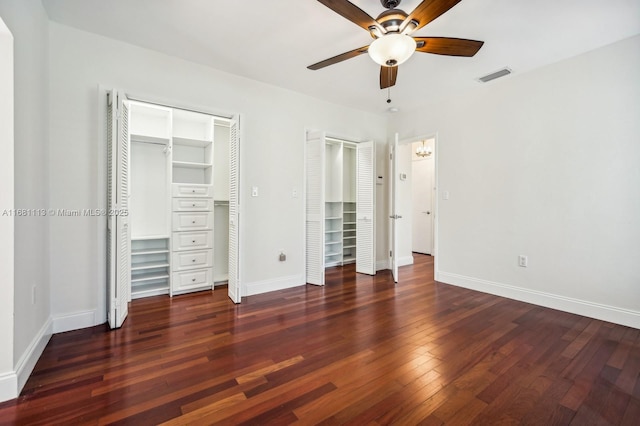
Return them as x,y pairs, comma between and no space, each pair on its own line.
390,4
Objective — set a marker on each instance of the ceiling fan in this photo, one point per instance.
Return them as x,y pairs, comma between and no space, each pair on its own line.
391,31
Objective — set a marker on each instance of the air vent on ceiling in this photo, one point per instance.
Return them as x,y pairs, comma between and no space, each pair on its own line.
500,73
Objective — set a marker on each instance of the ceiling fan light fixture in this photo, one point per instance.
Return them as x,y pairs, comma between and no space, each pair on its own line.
391,50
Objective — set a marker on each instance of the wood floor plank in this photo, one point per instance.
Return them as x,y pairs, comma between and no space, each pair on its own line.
361,350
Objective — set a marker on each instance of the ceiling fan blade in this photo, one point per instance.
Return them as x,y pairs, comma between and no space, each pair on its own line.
339,58
388,76
448,46
351,12
427,11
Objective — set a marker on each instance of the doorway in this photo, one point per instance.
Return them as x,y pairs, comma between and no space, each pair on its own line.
412,224
422,195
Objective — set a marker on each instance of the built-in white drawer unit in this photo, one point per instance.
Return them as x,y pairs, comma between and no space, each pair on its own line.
191,221
192,204
192,260
192,190
181,241
189,280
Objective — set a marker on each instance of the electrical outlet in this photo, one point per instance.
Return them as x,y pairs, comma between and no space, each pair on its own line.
254,191
523,261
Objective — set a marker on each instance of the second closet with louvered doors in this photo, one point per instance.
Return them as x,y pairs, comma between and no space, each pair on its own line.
340,201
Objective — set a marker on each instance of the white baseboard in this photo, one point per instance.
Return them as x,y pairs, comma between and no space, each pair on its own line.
404,261
8,386
259,287
74,321
220,280
30,357
12,382
549,300
382,264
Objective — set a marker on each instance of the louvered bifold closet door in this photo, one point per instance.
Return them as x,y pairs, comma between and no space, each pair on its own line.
123,287
112,158
365,206
234,214
315,187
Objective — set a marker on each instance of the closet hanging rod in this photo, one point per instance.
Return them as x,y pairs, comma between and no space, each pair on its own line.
149,139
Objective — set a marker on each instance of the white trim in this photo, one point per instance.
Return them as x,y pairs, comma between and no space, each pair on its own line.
220,280
30,357
8,386
549,300
75,321
382,264
264,286
404,261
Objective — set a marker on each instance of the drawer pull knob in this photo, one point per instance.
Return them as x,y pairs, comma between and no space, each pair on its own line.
193,260
194,204
193,190
193,279
193,241
193,221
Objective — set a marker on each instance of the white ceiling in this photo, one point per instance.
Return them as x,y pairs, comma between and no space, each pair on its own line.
274,41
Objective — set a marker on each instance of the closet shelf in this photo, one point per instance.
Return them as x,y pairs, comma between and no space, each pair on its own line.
149,237
349,223
149,139
149,265
333,218
338,253
149,289
328,243
353,246
190,165
141,252
150,277
333,232
200,143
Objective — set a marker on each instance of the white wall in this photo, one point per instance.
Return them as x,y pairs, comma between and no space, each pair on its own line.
8,381
28,22
273,126
544,164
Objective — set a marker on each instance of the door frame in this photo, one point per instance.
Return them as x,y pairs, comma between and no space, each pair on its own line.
414,165
393,185
101,179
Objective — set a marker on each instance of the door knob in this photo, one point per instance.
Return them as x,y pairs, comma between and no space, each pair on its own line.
426,212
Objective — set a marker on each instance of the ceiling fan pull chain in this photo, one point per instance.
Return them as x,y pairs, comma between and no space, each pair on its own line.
389,92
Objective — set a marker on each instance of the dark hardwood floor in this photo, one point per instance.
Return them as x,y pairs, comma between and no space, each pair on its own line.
360,350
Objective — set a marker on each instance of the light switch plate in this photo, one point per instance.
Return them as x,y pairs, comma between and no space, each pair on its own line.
254,191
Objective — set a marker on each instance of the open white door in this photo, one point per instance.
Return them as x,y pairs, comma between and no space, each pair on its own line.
118,231
234,214
394,216
314,212
365,205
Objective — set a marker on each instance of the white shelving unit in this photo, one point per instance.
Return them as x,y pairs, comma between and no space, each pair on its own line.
340,206
192,202
149,175
150,266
